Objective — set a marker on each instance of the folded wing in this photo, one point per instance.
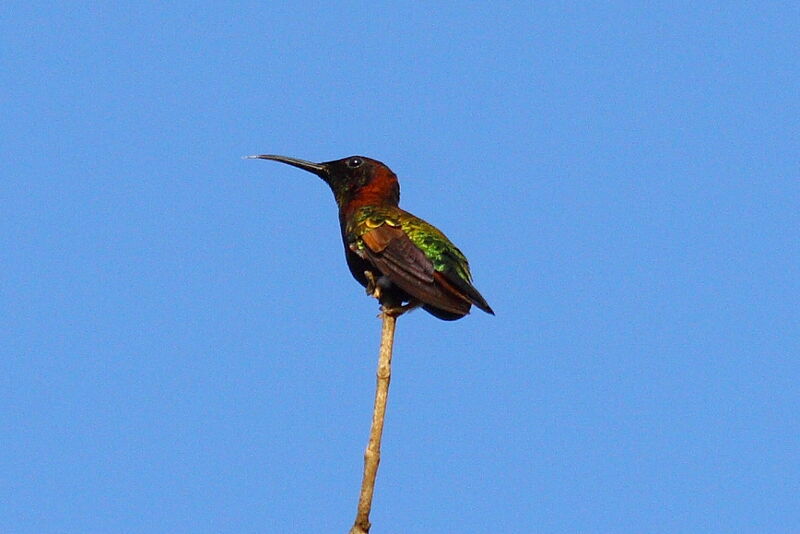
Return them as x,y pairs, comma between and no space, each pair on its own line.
406,265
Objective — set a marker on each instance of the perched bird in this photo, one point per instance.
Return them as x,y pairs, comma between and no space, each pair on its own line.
398,257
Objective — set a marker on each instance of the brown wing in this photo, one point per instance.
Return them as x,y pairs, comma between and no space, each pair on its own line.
391,251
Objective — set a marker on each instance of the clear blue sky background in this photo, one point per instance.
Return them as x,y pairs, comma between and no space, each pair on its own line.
184,350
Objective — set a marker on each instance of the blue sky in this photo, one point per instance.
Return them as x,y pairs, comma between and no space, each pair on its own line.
184,350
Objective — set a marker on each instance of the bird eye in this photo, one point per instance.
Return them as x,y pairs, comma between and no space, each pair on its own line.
355,162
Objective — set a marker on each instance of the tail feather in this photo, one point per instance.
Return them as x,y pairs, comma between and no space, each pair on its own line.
464,289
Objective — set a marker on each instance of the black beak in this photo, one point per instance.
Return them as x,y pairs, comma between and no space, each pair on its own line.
317,168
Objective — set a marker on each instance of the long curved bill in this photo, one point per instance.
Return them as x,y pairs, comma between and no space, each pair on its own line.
317,168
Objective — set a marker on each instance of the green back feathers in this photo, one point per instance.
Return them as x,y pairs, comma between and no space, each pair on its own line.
442,253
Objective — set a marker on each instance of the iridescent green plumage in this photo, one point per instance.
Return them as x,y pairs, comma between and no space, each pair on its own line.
444,255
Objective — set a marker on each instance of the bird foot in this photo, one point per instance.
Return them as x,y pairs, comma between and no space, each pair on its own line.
376,285
397,311
373,289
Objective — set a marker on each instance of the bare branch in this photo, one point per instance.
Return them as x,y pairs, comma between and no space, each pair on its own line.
372,456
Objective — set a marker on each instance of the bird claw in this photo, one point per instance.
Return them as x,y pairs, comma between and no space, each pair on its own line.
397,311
373,289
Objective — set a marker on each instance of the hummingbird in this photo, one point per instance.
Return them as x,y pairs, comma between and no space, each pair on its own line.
399,258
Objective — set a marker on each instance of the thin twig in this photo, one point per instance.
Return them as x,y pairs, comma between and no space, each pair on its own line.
372,456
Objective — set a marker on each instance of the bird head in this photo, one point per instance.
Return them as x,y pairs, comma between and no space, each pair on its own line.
351,178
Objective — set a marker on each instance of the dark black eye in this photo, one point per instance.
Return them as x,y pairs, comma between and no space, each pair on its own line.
355,162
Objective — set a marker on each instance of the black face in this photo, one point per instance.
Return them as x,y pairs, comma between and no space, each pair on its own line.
354,171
